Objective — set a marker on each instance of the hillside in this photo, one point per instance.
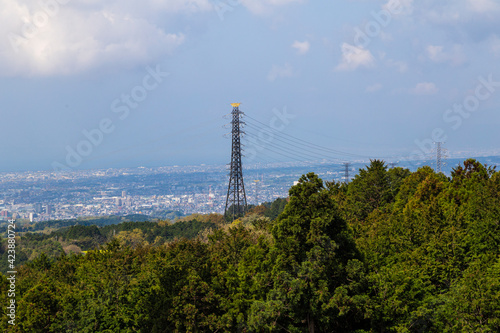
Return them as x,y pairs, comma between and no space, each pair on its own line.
392,251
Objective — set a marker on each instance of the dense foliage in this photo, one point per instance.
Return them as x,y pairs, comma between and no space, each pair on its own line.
83,221
392,251
78,238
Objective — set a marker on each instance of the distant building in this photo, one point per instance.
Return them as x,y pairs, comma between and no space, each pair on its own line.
38,208
48,209
124,194
118,201
32,217
4,213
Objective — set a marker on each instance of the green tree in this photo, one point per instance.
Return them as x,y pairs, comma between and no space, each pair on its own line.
313,248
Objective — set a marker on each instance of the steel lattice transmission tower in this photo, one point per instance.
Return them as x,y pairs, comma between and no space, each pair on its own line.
346,172
440,156
256,192
236,198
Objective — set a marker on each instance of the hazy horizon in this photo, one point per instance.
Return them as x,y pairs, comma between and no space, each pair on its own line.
116,84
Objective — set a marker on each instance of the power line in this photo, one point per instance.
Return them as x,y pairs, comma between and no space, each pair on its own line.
293,150
294,145
266,147
306,143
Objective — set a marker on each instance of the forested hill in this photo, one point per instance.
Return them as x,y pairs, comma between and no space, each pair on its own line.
392,251
99,221
78,236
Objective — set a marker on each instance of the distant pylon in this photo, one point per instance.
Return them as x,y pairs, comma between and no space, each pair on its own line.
236,197
440,156
256,192
346,172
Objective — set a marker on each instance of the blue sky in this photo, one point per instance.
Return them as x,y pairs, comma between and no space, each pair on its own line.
372,78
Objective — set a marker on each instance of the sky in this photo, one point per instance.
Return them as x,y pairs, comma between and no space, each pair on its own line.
122,83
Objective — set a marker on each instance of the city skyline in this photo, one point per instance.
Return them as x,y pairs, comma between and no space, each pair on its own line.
117,84
47,195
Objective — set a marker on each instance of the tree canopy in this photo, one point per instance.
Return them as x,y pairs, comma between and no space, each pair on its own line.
391,251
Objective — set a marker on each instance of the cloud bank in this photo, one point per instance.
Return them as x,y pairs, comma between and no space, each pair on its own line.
61,37
65,37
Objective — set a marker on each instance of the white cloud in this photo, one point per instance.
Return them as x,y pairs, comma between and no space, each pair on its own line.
354,57
280,72
425,88
73,37
185,5
302,47
435,52
401,66
455,56
483,6
265,6
399,7
373,88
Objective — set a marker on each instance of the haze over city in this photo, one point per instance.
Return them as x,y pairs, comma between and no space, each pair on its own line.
155,78
250,166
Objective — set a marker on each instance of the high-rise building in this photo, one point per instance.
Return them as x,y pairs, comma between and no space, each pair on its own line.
48,209
38,208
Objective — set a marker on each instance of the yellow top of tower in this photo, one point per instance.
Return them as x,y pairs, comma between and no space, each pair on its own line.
235,105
